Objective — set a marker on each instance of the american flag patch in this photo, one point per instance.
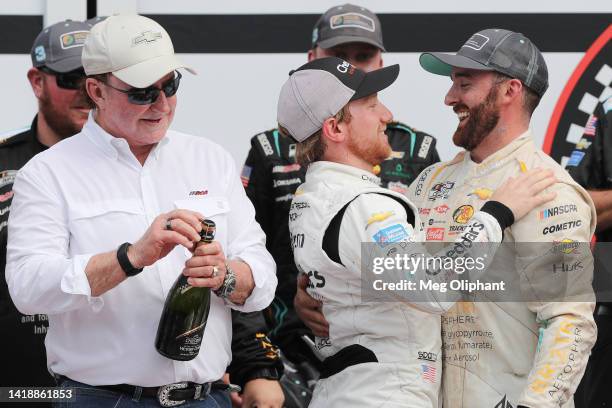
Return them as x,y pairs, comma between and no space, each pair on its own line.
429,373
591,124
246,175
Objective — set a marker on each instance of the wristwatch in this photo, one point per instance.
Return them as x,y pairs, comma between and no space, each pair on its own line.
124,261
229,283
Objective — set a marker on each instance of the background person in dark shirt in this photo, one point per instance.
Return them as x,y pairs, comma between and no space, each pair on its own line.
55,77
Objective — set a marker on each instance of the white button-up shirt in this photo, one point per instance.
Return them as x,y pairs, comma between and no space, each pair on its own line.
87,195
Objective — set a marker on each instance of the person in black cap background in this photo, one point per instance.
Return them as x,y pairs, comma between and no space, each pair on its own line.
591,166
56,76
271,173
342,220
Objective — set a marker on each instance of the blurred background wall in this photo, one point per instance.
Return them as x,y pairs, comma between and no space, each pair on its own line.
243,50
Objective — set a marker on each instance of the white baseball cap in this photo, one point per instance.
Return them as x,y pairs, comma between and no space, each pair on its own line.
135,49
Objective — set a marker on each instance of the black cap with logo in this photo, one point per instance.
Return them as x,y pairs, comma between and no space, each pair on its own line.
494,49
320,88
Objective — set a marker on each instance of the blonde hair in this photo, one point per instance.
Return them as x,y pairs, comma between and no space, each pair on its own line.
313,148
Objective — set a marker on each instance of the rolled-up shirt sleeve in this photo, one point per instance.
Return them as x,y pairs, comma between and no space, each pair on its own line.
247,242
41,276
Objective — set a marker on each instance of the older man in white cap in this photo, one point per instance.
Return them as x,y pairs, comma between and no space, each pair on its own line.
126,178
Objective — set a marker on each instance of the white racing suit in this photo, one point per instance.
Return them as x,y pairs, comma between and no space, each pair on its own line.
401,341
524,353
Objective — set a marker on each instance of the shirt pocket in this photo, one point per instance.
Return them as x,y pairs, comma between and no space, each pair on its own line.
212,208
104,225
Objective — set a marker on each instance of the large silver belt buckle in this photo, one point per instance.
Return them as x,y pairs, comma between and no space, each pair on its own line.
163,394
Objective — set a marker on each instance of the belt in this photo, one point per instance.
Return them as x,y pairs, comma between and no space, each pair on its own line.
603,309
170,395
348,356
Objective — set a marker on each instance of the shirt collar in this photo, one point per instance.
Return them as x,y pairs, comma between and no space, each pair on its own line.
327,170
502,155
112,145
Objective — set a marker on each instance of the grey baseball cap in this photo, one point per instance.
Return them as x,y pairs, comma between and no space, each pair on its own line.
59,46
347,24
494,49
319,89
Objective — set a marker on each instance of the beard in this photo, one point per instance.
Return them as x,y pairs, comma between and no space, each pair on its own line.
57,117
373,153
482,120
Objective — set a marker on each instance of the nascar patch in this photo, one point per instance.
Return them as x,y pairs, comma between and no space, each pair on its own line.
388,235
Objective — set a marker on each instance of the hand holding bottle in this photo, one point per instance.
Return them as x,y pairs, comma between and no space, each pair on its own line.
178,227
183,320
206,268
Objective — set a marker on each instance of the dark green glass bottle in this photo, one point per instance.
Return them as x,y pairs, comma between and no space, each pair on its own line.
183,320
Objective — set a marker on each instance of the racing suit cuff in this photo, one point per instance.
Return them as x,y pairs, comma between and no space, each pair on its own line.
75,282
500,212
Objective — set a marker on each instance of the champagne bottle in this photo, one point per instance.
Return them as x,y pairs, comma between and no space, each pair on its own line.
183,320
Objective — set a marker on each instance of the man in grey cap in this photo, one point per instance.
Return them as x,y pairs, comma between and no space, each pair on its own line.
378,353
56,77
510,354
118,180
271,173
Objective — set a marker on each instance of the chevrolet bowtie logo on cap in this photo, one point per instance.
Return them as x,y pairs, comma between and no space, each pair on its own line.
147,37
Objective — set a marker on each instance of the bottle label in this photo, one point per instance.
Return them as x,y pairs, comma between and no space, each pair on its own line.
190,332
189,342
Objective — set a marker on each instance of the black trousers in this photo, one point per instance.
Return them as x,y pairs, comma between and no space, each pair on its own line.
595,389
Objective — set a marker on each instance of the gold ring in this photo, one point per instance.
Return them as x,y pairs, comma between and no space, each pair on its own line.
215,271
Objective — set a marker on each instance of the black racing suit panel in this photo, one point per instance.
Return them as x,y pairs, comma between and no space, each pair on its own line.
252,351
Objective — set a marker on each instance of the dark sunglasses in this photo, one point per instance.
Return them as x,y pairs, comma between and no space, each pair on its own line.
66,80
147,96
